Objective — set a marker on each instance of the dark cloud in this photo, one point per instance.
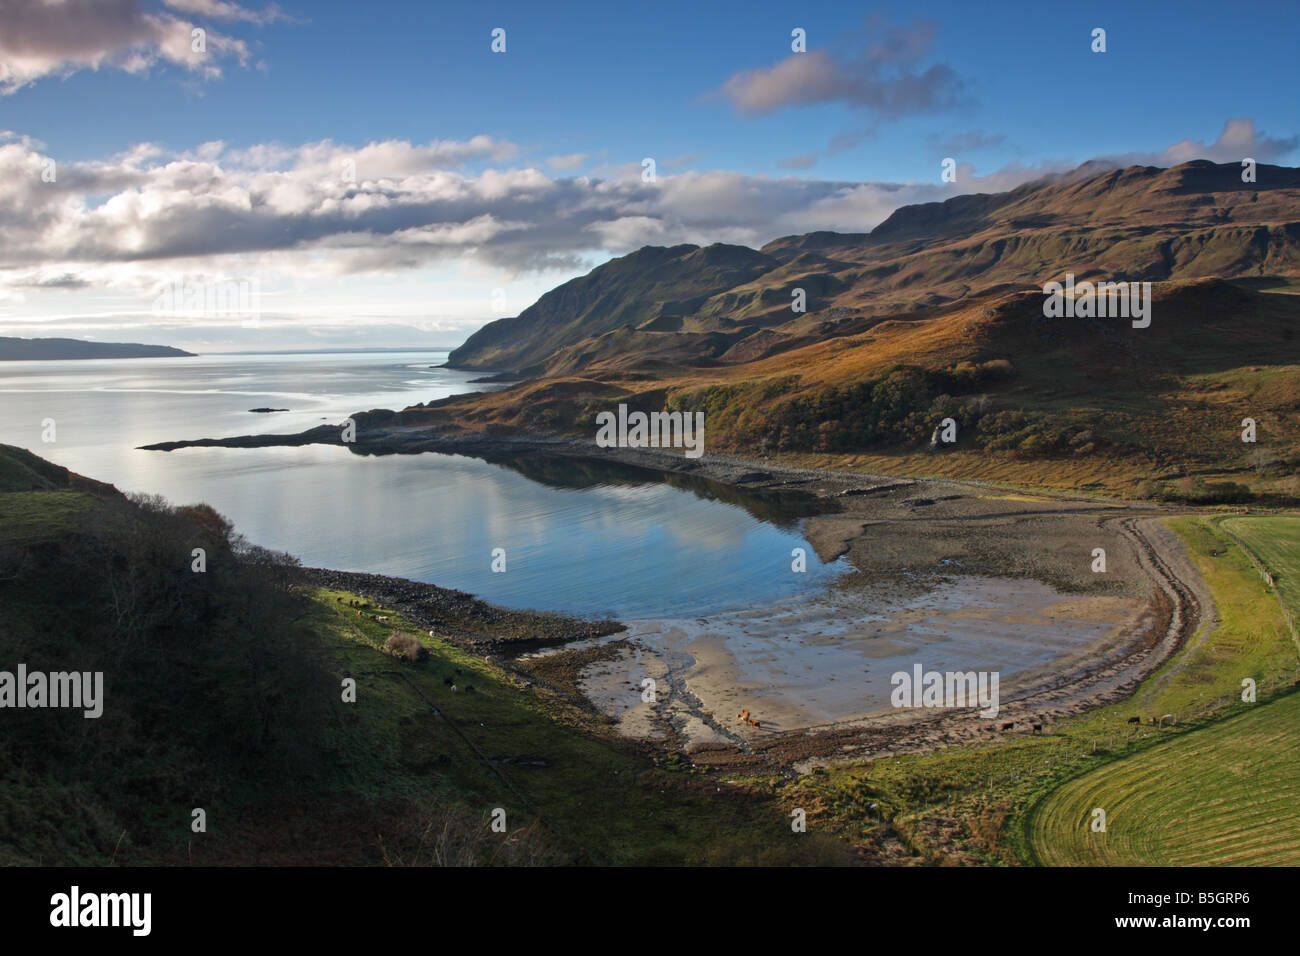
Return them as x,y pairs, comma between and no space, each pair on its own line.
879,71
39,38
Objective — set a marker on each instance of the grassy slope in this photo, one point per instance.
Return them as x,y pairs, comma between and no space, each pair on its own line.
980,804
594,801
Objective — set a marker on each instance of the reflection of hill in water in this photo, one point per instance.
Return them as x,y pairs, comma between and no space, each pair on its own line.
779,508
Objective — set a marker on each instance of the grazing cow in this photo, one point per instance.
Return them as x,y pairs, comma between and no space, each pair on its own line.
1038,729
382,617
1009,726
1135,720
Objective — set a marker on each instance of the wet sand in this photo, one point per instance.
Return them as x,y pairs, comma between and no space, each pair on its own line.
828,658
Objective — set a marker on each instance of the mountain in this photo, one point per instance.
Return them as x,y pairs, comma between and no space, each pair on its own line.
691,305
939,313
14,349
653,286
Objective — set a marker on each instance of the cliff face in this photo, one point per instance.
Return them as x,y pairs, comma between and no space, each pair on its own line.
688,305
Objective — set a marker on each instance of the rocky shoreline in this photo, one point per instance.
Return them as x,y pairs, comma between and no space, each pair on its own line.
461,617
897,532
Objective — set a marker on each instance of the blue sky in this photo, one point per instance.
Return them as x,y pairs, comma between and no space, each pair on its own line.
483,179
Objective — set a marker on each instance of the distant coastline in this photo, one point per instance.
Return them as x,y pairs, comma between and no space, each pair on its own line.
17,350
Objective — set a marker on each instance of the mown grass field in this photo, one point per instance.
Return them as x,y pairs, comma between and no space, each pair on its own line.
1223,795
986,804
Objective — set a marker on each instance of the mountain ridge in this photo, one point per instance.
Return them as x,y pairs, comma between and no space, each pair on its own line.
1193,220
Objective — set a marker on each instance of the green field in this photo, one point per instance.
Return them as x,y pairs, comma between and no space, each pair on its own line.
1224,795
1224,791
1276,542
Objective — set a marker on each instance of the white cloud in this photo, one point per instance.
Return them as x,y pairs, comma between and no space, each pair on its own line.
123,224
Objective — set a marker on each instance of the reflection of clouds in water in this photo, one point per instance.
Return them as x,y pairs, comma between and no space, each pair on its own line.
630,548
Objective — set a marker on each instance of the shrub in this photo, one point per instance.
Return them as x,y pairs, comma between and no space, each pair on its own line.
407,647
1196,491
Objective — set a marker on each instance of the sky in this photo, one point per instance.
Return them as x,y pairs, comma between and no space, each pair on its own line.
342,174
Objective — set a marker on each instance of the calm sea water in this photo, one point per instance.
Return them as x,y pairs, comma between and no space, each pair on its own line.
578,536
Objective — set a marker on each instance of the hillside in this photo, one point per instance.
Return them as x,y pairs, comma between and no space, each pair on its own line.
696,306
15,350
939,313
221,691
